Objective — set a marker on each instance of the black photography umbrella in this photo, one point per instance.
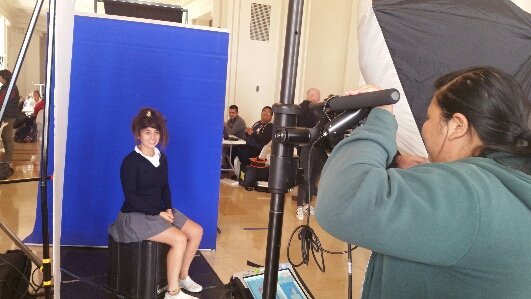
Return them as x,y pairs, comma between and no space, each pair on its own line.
429,38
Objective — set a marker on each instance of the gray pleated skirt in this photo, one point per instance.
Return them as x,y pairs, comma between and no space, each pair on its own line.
136,227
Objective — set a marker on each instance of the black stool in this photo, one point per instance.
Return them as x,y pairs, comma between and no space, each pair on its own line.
138,270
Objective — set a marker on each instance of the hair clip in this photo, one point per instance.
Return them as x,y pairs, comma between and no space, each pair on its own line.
148,113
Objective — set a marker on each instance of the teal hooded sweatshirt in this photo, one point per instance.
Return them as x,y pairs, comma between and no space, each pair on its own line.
458,229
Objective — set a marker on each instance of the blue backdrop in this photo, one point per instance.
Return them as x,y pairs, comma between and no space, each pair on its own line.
117,68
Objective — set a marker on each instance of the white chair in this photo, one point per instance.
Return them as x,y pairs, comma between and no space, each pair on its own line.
40,122
264,154
236,165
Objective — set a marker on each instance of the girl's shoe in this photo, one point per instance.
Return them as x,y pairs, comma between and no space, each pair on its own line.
180,295
190,285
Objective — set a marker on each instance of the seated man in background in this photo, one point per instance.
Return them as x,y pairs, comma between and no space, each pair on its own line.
235,125
257,137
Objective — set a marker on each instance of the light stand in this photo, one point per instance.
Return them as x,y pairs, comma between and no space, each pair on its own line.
47,269
282,161
284,171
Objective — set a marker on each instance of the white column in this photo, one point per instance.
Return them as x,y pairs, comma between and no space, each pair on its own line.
63,57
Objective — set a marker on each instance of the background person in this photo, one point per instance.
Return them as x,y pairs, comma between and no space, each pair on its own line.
147,212
454,228
257,137
10,114
309,160
307,119
235,125
39,102
39,120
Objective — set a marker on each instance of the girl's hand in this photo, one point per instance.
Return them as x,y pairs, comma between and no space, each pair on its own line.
167,215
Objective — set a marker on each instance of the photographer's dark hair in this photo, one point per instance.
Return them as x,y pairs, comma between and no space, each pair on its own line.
150,118
493,103
234,107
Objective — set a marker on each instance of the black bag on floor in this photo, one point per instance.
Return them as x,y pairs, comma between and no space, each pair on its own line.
249,175
26,134
5,170
15,268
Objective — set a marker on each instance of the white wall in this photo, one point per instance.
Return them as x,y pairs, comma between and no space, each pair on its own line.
32,69
524,4
327,58
253,65
329,52
198,8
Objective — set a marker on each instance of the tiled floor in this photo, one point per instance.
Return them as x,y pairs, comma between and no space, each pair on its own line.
243,221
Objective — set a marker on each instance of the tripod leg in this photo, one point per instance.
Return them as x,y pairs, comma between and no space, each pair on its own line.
22,246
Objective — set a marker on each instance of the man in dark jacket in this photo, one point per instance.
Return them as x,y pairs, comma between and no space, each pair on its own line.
10,114
258,136
307,119
312,170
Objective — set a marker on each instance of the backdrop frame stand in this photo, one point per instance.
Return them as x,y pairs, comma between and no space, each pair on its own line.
45,266
47,272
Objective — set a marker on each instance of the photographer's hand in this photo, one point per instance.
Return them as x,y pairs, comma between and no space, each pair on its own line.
369,88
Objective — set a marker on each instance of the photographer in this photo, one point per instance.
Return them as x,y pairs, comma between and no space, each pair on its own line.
454,228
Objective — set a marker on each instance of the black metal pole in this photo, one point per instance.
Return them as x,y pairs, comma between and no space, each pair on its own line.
281,153
36,179
47,269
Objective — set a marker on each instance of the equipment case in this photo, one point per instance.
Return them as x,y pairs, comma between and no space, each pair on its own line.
138,269
15,268
249,174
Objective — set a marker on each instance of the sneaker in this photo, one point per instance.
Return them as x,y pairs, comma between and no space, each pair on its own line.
180,295
299,214
190,285
311,209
